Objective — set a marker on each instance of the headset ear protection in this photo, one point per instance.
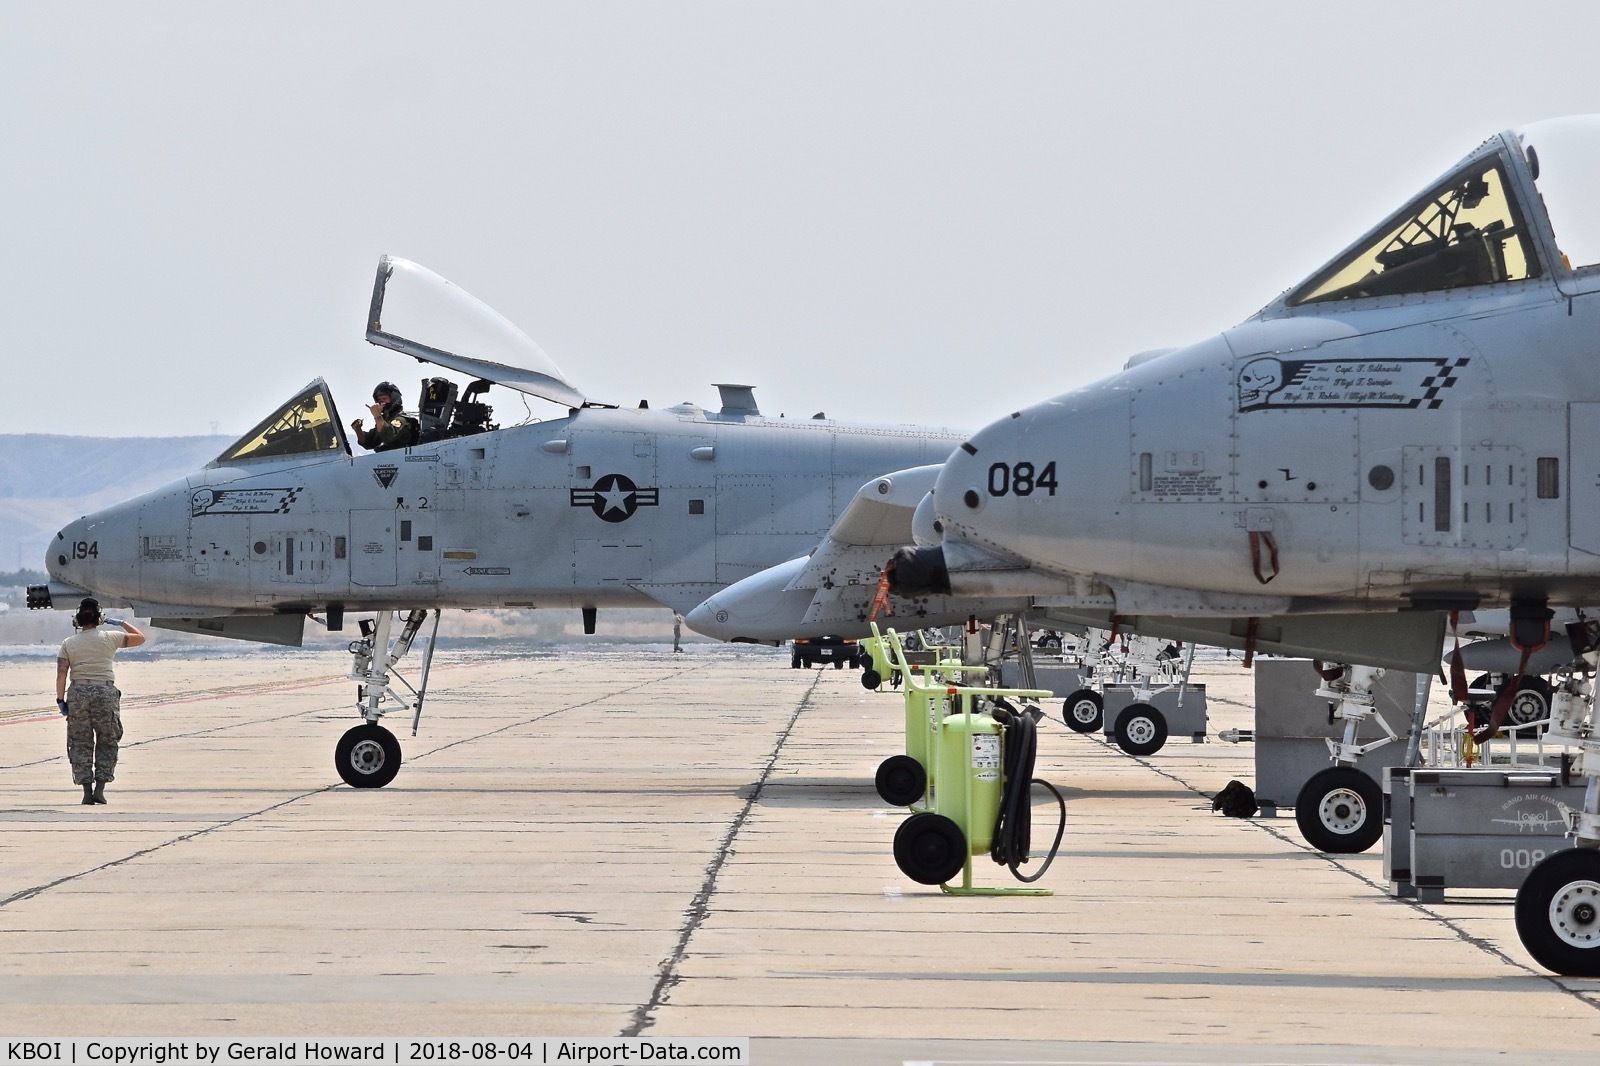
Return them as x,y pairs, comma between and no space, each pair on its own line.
89,614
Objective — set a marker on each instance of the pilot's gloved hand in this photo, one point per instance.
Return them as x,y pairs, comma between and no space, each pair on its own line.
358,425
61,705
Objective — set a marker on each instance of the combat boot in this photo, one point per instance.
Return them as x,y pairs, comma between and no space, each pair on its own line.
88,792
99,794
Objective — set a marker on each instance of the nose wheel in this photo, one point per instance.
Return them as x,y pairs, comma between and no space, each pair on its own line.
1340,811
1141,730
1083,711
367,756
1558,913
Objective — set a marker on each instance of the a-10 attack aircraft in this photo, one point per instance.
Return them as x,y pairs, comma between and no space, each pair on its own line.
1414,429
600,506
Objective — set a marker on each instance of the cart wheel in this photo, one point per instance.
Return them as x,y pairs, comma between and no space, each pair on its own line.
367,756
1340,811
929,848
901,780
1084,711
1140,730
870,678
1558,913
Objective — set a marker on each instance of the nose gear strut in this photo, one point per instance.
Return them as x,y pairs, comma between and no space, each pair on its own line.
368,756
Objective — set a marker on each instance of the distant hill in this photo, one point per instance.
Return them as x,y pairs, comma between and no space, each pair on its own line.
46,480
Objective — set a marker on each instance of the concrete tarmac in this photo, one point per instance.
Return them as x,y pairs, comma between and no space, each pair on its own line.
608,840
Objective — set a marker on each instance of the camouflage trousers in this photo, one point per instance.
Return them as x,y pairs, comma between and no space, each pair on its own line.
94,726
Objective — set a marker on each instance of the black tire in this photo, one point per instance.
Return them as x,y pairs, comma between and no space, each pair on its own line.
1558,913
1530,704
870,679
1140,730
794,660
367,756
930,848
838,664
1084,711
1049,643
901,780
1340,811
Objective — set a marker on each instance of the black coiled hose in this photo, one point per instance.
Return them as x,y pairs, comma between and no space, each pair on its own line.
1013,828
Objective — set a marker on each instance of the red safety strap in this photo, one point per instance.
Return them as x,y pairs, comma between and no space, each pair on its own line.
880,598
1250,639
1458,667
1502,703
1258,538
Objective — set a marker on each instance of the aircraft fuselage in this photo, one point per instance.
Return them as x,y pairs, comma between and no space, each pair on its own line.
604,507
1443,451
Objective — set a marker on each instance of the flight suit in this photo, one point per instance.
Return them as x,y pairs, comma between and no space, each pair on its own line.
389,433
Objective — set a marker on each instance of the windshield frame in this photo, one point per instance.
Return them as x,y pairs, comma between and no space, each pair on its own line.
1529,232
239,451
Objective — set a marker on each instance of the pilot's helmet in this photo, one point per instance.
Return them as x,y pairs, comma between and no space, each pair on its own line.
388,394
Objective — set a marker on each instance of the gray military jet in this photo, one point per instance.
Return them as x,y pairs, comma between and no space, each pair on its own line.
596,506
1412,430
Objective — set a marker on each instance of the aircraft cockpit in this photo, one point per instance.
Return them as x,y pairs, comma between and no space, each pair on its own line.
307,425
1466,231
1482,224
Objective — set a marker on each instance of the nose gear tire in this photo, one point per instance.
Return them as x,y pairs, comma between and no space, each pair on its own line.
367,756
1340,811
1140,730
1084,711
1558,913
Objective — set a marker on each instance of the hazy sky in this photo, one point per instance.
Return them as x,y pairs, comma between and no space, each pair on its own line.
906,212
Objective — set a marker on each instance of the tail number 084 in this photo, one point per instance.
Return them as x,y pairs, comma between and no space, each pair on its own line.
1022,479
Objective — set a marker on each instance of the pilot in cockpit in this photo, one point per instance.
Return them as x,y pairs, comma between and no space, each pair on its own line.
392,427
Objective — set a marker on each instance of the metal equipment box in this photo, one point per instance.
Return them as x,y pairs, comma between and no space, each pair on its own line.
1477,828
1061,680
1292,728
1189,720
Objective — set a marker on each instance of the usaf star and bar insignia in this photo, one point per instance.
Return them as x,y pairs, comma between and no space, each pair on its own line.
615,498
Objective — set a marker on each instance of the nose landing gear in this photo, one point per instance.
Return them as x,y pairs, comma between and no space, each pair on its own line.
368,755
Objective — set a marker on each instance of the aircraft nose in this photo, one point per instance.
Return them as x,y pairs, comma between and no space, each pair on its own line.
68,559
711,619
980,483
97,553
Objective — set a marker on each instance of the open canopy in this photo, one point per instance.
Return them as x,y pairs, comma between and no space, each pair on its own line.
417,312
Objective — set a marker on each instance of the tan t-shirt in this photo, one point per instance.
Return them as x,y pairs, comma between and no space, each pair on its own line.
88,653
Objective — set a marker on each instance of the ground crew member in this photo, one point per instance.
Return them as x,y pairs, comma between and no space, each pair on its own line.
391,426
93,704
